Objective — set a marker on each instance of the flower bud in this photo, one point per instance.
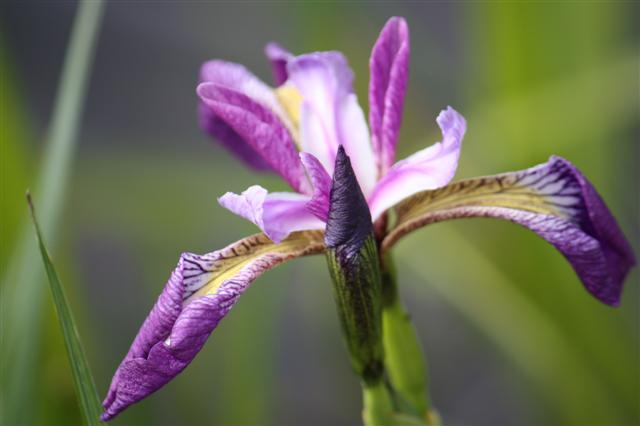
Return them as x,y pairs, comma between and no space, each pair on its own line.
352,256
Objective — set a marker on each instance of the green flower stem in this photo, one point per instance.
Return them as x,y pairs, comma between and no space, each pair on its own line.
357,293
404,358
377,405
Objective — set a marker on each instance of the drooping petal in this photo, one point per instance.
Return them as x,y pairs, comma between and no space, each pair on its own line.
430,168
277,214
330,115
200,292
260,128
554,200
231,140
239,78
278,56
236,77
321,182
389,69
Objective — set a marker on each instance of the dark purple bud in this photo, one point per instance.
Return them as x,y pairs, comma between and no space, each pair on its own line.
349,222
352,256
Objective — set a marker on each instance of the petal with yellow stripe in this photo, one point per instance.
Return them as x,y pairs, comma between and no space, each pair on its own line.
200,292
554,200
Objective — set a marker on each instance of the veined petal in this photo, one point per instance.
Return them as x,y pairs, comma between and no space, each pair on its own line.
200,292
389,69
277,214
231,140
321,181
236,77
554,200
330,115
430,168
239,78
260,128
278,56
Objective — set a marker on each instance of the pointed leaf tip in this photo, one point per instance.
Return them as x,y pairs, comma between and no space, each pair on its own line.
82,378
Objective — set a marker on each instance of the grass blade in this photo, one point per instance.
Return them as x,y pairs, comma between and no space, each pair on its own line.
82,378
21,288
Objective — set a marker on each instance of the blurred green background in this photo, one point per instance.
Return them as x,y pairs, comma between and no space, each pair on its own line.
511,336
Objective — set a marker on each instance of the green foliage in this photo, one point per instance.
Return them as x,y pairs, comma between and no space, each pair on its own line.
404,357
82,377
21,283
357,292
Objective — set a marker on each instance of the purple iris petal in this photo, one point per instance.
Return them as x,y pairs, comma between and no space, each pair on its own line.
232,141
554,200
278,56
389,68
330,115
182,319
597,221
277,214
321,181
430,168
260,128
172,334
237,77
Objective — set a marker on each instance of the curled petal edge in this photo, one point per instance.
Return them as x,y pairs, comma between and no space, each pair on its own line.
277,214
429,168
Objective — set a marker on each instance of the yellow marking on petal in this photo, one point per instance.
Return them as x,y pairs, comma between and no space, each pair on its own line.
478,192
501,191
291,101
244,253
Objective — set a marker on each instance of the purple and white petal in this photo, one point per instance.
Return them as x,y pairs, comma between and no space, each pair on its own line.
260,128
389,72
430,168
554,200
321,181
277,214
200,292
330,114
278,57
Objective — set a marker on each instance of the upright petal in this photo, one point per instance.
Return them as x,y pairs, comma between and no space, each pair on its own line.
278,57
389,72
554,200
277,214
321,182
260,128
330,114
430,168
200,292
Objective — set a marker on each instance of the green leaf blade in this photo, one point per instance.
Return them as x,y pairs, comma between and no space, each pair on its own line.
82,378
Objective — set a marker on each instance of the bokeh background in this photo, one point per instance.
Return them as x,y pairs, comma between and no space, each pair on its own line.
510,335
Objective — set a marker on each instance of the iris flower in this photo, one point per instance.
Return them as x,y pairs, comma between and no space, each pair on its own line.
305,129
